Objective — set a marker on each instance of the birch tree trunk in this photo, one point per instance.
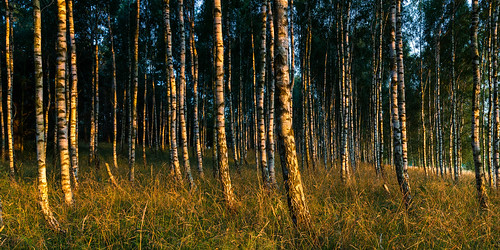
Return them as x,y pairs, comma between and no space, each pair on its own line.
144,124
61,103
402,177
133,90
260,99
438,105
454,97
74,97
96,119
115,100
9,60
40,123
270,130
476,149
222,155
182,97
174,158
401,87
289,164
194,73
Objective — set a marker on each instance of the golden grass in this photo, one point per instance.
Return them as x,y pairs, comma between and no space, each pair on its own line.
156,213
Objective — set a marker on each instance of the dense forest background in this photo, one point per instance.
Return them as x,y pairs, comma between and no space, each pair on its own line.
165,123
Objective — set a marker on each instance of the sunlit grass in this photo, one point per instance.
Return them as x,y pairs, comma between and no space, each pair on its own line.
359,215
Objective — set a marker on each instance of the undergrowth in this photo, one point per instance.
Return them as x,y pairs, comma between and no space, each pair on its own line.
155,212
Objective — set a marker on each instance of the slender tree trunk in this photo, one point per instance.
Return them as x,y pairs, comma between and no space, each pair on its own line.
133,90
10,78
174,158
74,97
194,73
61,103
496,121
182,97
96,119
476,150
270,131
438,105
115,100
454,97
221,133
291,174
40,123
260,99
402,177
401,87
144,113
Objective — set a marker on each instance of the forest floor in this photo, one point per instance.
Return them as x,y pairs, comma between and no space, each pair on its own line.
156,213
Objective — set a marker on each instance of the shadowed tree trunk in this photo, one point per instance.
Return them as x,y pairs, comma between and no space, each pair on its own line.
398,147
194,74
476,149
270,130
182,97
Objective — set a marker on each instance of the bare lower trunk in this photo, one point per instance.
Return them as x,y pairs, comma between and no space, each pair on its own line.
398,145
61,103
476,150
291,174
221,133
40,122
74,97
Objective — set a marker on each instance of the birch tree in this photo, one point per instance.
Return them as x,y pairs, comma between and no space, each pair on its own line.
40,121
291,175
62,123
222,155
476,149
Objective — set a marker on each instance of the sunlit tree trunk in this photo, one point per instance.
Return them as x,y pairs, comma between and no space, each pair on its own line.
10,79
476,150
40,123
402,177
401,86
115,100
219,100
260,99
61,103
74,97
174,158
133,94
96,119
291,174
182,96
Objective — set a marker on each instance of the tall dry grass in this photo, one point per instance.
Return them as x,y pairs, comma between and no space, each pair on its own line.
157,213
